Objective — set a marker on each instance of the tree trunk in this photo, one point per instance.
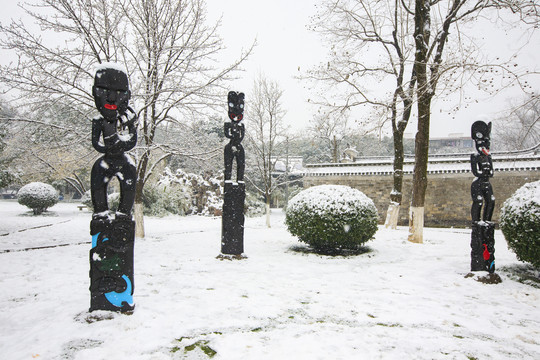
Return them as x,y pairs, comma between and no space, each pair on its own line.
421,153
139,220
334,150
139,216
416,224
392,215
424,95
268,212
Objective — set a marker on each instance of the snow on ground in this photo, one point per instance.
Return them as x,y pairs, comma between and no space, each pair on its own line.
397,301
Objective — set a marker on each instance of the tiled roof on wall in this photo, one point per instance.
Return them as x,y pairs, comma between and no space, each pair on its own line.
440,164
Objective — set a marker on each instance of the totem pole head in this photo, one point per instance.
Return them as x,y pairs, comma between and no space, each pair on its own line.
236,105
111,90
481,133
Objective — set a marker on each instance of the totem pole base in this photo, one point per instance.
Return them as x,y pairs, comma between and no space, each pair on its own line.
111,265
483,246
232,226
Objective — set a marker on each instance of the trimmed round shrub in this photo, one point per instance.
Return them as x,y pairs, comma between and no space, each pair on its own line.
37,196
331,218
520,223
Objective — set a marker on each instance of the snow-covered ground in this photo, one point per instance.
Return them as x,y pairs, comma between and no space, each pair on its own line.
397,301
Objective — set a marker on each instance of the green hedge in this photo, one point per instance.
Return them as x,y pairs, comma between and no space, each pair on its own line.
37,196
520,223
330,218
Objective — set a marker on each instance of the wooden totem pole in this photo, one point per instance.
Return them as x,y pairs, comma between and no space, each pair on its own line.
232,229
113,235
483,229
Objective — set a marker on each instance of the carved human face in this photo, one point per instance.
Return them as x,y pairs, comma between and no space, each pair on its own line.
480,133
482,142
111,92
236,105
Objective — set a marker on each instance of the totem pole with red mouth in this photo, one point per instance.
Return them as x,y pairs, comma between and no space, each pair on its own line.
483,229
114,133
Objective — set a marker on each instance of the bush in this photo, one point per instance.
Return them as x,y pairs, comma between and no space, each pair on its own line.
164,200
253,206
520,223
113,200
184,193
332,218
37,196
86,200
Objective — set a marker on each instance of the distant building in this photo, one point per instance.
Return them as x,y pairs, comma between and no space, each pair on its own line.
458,142
349,155
453,143
295,167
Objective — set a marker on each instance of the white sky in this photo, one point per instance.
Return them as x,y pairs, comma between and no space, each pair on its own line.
285,45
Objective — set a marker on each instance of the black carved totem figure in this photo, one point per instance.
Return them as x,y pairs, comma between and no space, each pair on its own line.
234,130
482,238
113,133
232,229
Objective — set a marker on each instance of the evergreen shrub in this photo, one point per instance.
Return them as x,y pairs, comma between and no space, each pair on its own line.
181,193
253,205
520,223
332,218
86,200
37,196
164,200
113,200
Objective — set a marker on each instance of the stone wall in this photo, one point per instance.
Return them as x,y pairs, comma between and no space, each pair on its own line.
448,197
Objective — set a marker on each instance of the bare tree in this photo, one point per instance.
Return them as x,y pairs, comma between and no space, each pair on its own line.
528,10
372,44
50,147
265,133
332,129
520,128
166,46
6,172
433,23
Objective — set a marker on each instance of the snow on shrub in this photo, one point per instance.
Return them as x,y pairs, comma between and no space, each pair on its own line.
253,206
332,217
161,200
37,196
184,193
113,200
520,223
86,200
